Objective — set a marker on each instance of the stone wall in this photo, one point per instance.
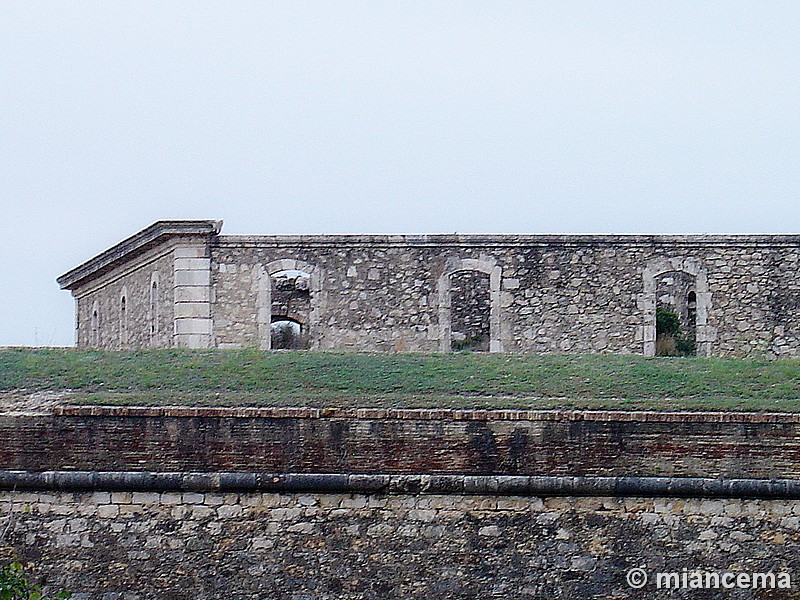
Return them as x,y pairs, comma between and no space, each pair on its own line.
553,295
141,545
234,503
395,293
149,313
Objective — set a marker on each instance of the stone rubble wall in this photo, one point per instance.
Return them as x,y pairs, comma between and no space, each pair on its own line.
569,294
144,329
304,546
555,295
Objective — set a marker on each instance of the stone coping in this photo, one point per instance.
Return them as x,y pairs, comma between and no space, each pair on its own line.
506,485
505,240
424,414
134,245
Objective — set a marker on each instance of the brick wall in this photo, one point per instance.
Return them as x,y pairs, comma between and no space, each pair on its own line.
577,443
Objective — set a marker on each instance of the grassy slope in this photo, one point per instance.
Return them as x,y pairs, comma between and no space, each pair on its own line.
248,377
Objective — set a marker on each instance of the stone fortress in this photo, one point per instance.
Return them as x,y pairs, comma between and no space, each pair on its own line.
240,502
183,284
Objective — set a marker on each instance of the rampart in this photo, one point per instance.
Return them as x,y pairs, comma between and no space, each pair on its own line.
144,503
181,283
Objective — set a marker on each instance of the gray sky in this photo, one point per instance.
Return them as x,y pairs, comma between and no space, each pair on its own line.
379,116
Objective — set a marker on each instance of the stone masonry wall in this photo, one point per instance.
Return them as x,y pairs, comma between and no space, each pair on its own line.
233,503
547,293
143,545
555,293
146,328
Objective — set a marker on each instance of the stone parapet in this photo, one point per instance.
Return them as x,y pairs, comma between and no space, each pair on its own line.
503,240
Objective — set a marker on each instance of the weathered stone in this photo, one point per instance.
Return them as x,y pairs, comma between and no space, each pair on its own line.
582,549
426,293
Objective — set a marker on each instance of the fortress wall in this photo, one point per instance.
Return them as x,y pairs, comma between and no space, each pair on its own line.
538,443
370,298
199,546
208,504
557,294
547,293
134,281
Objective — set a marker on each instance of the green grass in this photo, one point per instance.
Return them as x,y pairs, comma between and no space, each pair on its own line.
249,377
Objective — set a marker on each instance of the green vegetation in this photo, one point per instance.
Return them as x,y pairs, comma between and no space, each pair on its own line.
15,586
671,340
471,343
297,378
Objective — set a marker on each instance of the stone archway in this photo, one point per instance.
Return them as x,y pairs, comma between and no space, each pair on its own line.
482,265
264,300
704,333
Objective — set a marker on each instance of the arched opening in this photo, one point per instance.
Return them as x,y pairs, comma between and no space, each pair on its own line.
470,311
291,290
678,286
123,321
470,316
287,334
154,309
290,308
94,338
676,314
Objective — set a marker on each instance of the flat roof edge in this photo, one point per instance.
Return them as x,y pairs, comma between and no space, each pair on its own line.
135,245
508,239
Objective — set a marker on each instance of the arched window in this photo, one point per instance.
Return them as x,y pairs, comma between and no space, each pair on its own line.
691,308
123,321
469,305
94,336
290,300
154,308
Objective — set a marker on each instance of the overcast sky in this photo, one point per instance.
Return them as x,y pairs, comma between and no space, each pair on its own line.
385,117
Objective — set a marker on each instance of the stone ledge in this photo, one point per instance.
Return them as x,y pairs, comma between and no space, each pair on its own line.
420,414
506,485
134,245
505,240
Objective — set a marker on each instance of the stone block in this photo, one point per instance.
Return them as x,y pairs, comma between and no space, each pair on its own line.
192,294
192,264
108,511
229,511
192,340
189,252
201,310
193,326
192,278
